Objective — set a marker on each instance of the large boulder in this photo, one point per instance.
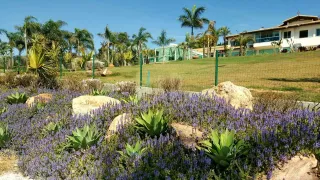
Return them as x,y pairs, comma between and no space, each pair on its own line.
297,167
237,96
86,104
189,135
41,98
97,64
118,123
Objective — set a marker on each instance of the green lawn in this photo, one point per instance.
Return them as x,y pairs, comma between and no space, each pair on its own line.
296,73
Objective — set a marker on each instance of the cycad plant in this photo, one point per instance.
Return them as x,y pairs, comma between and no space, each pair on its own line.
96,92
222,148
83,138
131,151
152,123
17,98
4,135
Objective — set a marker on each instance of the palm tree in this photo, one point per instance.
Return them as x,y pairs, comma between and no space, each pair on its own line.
4,49
12,38
192,18
141,38
224,32
163,41
107,35
53,33
243,41
83,38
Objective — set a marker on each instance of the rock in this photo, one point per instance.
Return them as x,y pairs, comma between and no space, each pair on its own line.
42,98
119,122
297,168
92,84
209,92
86,104
188,134
237,96
97,64
105,72
110,65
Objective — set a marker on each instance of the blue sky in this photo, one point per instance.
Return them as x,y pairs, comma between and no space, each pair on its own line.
130,15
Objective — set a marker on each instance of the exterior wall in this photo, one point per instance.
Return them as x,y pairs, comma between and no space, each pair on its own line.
311,40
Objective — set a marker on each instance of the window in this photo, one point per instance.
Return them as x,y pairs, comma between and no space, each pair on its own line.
318,32
268,36
287,35
303,34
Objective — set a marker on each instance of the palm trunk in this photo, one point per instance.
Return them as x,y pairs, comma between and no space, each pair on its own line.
203,49
225,46
12,61
208,48
112,59
163,59
108,58
26,46
192,31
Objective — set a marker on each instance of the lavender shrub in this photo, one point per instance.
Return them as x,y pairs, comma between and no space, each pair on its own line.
274,137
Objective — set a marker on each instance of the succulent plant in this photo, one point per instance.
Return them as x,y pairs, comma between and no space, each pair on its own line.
132,99
152,123
222,148
52,127
133,150
4,135
83,138
96,92
17,98
2,110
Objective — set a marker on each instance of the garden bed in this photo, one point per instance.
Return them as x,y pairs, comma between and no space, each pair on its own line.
269,138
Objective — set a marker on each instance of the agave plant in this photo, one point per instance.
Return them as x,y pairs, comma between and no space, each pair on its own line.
96,92
52,127
83,138
4,135
132,99
136,150
17,98
2,110
222,148
152,123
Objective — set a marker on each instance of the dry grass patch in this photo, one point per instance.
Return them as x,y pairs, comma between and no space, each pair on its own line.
8,163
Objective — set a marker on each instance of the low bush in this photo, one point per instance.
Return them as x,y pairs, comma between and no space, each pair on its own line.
127,87
170,84
17,98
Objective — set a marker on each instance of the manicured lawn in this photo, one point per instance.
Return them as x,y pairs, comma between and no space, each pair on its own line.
297,73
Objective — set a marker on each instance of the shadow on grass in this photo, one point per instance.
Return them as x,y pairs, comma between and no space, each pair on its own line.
315,79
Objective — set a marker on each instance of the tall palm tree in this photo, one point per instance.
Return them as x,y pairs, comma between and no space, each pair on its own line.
4,49
12,38
83,38
53,33
141,38
163,41
243,41
192,18
224,32
107,35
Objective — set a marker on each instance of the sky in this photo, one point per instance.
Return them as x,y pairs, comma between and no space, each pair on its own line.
155,16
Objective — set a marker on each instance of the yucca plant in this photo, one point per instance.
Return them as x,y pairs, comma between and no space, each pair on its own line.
16,98
131,151
83,138
152,123
96,92
222,148
4,135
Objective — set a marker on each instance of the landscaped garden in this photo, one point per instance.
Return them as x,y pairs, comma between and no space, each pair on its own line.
56,136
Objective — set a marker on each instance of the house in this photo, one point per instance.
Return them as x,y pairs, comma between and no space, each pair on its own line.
297,31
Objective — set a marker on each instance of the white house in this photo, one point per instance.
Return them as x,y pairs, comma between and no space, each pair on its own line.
300,30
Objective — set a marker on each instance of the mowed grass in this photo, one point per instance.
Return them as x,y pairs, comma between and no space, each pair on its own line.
296,73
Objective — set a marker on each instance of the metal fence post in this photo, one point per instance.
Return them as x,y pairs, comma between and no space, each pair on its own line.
216,70
93,68
4,64
148,79
141,69
60,62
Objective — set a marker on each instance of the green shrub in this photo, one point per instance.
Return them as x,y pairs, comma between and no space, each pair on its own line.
52,127
152,123
222,148
127,86
17,98
96,92
170,84
4,135
83,138
132,99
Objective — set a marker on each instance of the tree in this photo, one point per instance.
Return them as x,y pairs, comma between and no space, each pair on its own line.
53,33
243,41
163,41
12,37
141,38
107,35
4,50
186,44
83,38
224,32
29,27
192,18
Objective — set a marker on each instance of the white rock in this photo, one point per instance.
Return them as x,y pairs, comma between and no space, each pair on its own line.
188,134
297,168
119,122
86,104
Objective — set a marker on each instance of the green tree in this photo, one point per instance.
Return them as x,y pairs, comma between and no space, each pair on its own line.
53,33
83,38
243,40
140,39
224,32
107,35
163,41
192,18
